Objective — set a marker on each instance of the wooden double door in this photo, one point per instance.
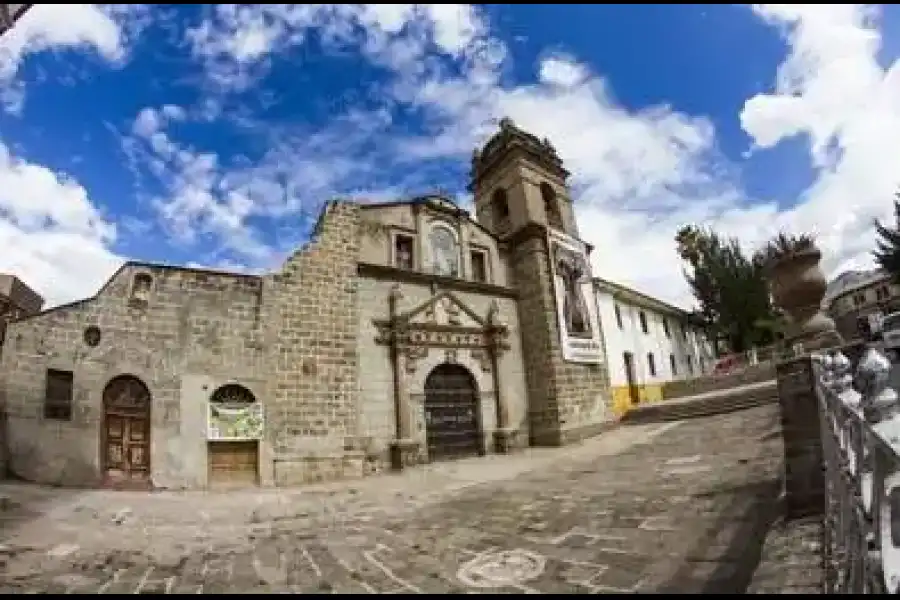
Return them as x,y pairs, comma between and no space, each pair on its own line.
452,422
233,463
126,434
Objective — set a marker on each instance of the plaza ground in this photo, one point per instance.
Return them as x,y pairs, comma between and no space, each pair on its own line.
673,507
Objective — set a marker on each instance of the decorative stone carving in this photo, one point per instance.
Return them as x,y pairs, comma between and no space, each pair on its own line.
453,312
483,357
450,355
441,326
798,286
843,377
880,404
413,355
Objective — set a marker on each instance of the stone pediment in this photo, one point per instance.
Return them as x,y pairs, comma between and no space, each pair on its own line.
443,309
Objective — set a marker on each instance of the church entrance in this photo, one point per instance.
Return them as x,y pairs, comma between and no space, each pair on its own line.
452,421
126,433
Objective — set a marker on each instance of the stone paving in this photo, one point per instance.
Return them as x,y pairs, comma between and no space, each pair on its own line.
792,560
677,507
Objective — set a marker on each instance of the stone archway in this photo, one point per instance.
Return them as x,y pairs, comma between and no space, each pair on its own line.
452,413
126,433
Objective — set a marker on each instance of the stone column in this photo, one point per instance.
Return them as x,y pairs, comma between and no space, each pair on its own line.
801,430
504,433
404,418
405,448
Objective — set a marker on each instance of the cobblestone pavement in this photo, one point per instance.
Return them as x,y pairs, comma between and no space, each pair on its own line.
672,507
792,561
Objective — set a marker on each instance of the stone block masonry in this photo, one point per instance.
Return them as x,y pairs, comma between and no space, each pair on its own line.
567,401
804,482
313,332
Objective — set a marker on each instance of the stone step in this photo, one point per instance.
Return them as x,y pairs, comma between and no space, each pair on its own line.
701,407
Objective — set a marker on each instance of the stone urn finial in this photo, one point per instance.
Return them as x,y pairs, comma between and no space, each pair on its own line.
797,285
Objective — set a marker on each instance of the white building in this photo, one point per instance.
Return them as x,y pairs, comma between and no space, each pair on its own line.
857,295
648,342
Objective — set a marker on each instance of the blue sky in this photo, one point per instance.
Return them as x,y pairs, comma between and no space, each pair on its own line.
211,135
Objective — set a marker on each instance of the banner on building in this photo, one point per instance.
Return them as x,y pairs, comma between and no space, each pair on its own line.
576,303
235,423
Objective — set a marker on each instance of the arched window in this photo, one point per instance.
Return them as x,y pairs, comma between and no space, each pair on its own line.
140,288
234,414
233,395
499,205
551,206
444,251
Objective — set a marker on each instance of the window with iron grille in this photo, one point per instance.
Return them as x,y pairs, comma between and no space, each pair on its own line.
403,252
479,266
58,396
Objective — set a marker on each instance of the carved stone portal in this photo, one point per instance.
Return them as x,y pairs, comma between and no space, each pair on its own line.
447,325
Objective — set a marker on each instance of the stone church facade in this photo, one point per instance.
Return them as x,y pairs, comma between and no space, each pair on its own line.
402,333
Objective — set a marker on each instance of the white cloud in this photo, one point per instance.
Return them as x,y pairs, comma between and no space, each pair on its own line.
637,175
640,175
204,200
107,30
832,89
561,71
235,41
54,238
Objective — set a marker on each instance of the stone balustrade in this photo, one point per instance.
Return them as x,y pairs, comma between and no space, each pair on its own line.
858,488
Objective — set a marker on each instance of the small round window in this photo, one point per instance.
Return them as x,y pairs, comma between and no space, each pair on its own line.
92,336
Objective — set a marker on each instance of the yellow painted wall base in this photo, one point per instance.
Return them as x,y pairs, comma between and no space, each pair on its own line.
622,397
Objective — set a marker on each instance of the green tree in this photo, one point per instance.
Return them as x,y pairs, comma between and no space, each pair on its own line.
887,254
729,286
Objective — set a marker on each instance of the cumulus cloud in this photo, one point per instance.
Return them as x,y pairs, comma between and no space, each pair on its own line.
562,71
236,41
107,30
832,89
637,175
204,196
54,238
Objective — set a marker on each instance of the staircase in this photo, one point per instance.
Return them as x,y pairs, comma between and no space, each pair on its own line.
704,405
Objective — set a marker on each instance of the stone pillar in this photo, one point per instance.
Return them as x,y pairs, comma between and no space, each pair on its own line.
404,449
404,418
801,430
504,435
496,333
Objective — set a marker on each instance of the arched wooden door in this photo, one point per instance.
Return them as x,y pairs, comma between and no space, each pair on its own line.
126,433
452,423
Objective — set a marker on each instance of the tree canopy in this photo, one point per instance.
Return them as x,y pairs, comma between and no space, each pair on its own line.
887,253
730,288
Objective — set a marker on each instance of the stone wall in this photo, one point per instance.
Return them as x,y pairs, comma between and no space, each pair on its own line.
567,401
313,328
712,383
289,338
191,322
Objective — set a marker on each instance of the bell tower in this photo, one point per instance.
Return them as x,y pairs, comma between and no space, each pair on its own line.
520,193
519,181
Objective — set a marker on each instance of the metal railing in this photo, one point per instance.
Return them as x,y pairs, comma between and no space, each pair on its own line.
860,436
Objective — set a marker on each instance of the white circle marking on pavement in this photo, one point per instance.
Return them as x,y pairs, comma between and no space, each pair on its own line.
503,568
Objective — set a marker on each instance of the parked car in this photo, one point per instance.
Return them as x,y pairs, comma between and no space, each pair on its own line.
727,364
